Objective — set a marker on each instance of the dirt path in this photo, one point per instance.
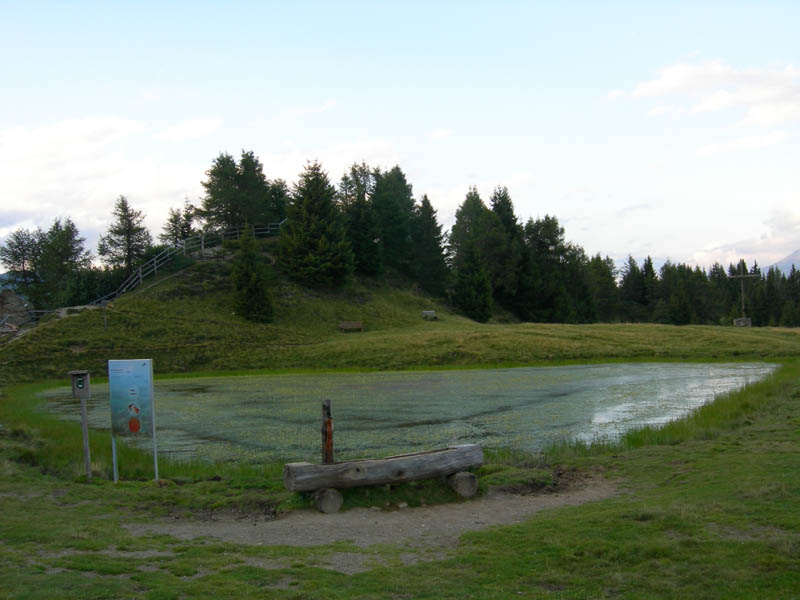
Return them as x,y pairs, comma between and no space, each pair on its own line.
433,529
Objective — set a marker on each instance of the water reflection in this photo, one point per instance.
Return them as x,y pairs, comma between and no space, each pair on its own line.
276,417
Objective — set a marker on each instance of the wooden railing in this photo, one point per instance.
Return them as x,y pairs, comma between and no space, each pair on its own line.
197,243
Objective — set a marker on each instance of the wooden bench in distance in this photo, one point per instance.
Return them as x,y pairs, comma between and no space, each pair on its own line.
429,315
351,326
306,477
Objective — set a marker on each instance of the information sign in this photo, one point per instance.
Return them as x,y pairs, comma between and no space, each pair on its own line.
130,385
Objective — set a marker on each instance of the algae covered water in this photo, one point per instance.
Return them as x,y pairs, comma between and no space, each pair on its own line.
277,417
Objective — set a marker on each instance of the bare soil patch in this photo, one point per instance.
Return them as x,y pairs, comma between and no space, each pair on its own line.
434,530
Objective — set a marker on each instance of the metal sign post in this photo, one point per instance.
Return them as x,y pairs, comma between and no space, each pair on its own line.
130,386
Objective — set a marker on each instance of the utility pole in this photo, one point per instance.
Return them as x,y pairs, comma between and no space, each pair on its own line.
741,279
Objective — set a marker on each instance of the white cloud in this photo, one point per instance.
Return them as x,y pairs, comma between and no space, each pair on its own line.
77,168
780,237
190,130
614,94
438,134
750,142
767,96
664,109
318,109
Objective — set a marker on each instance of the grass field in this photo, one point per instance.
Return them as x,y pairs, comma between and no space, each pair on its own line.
185,324
708,506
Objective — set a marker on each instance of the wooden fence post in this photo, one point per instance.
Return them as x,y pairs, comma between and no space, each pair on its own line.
327,433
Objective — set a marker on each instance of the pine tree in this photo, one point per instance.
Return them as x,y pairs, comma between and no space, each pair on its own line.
222,206
363,232
313,246
505,252
127,239
473,287
393,203
251,298
19,254
239,193
179,225
428,267
61,256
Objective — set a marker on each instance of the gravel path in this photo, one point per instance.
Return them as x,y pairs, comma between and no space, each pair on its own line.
434,529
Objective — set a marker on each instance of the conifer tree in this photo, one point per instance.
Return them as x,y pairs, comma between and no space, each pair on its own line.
473,287
393,203
127,239
179,225
251,297
314,246
363,232
428,267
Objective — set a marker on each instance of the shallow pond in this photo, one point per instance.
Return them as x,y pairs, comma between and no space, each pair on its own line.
277,417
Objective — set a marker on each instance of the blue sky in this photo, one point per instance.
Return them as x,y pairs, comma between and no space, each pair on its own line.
664,129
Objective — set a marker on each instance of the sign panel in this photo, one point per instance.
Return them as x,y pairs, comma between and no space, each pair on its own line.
130,385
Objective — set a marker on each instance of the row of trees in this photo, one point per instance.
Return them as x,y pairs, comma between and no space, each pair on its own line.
371,225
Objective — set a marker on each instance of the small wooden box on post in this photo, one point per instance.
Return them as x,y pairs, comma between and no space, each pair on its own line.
81,389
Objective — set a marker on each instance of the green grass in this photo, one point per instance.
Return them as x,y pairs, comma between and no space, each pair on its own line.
186,324
709,508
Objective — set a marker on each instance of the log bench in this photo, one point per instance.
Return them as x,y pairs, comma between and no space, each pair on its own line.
351,326
450,464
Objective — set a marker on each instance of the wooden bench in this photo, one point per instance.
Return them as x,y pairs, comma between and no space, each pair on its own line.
351,326
429,315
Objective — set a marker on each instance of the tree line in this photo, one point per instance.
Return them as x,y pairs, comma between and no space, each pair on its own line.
370,225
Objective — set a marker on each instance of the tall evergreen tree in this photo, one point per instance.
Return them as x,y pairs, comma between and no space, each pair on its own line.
473,287
222,205
313,245
602,273
179,225
19,254
61,257
393,203
428,267
127,238
239,193
504,252
363,231
251,297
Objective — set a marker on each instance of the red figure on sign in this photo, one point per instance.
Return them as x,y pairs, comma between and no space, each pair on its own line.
133,423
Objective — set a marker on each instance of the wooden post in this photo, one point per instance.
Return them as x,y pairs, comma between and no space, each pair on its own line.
327,433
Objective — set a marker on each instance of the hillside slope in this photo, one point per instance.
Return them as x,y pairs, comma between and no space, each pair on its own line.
186,323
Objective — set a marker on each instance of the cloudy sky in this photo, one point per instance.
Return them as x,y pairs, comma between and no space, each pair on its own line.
668,129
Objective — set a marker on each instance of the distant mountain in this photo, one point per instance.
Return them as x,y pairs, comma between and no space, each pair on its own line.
785,265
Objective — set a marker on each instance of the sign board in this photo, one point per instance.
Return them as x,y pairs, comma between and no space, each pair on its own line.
130,386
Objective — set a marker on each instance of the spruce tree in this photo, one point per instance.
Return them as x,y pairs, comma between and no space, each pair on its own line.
428,267
313,245
127,239
251,297
363,232
473,287
393,203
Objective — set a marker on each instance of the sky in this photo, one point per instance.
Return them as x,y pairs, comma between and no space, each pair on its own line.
662,129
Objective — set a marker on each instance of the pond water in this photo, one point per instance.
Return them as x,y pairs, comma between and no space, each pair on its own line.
278,417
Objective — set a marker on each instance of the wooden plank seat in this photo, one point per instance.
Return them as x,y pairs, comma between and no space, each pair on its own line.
351,326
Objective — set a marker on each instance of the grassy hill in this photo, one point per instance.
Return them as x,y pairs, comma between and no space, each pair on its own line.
185,322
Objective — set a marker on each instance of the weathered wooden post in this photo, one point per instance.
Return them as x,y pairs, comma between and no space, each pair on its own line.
327,433
80,389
